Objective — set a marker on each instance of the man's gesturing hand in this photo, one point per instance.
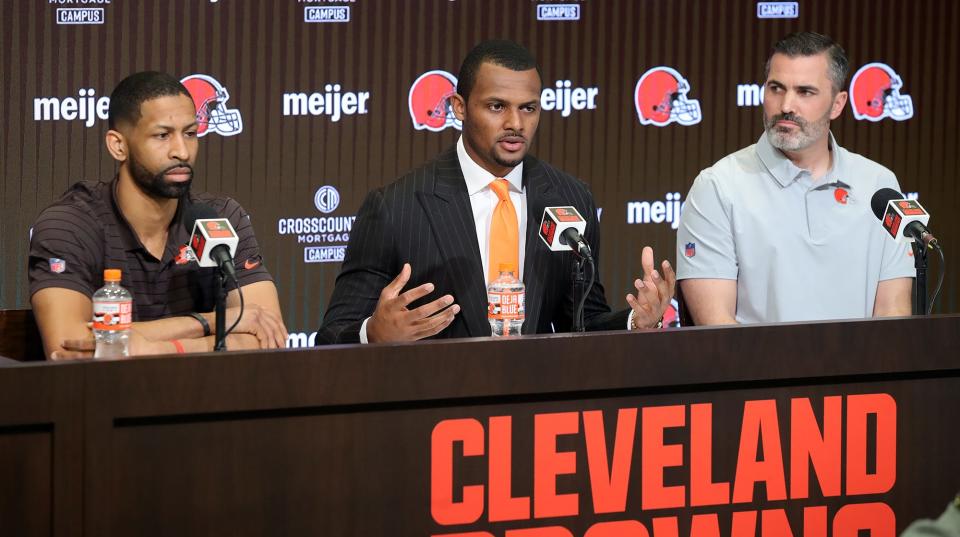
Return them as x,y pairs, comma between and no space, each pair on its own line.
392,321
654,291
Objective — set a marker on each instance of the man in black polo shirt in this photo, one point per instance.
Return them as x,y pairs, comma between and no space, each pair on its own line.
135,223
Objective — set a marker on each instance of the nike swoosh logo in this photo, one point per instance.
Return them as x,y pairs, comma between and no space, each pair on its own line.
249,264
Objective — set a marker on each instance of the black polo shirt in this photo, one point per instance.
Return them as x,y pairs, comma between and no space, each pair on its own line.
84,232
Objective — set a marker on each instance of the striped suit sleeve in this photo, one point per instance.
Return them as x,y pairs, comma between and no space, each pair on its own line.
368,266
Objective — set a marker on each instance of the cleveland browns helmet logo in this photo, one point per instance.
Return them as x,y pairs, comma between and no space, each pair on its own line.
661,99
209,98
875,94
429,101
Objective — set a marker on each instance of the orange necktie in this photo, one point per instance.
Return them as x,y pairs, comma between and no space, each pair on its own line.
504,245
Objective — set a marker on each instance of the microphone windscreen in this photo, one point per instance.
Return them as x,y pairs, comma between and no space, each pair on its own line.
197,211
880,200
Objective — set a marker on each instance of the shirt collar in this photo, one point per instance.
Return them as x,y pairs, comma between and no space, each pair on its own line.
478,178
129,238
784,170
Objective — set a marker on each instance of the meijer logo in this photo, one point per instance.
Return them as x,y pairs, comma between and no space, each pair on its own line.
330,102
656,212
86,107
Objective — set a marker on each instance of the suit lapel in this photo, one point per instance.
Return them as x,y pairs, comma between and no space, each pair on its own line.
537,266
450,214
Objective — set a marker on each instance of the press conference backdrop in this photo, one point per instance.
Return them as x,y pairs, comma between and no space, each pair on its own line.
314,103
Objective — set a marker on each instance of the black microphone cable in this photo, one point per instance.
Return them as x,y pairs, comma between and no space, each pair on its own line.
222,342
942,271
586,292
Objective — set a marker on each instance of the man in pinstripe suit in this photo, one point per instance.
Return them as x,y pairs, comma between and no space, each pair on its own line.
418,260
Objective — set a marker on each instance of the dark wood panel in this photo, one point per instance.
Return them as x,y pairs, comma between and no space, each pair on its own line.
338,440
360,472
341,440
26,470
41,446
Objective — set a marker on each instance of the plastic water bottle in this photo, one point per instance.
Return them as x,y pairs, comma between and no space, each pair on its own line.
112,315
506,296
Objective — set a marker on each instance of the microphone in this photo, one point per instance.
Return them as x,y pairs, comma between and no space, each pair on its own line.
905,220
213,240
562,229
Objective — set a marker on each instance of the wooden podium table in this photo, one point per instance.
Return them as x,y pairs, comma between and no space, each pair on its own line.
795,429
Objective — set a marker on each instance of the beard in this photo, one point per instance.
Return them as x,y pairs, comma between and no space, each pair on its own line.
807,132
156,185
474,138
515,161
507,163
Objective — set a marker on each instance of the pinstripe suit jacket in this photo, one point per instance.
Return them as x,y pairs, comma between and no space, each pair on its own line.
425,219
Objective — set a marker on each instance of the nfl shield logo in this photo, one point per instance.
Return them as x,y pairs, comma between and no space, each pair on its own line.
690,249
57,265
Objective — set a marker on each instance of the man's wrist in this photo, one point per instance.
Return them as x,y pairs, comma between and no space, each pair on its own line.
204,323
632,321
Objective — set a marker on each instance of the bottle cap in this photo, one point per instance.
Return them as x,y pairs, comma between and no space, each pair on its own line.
507,267
111,275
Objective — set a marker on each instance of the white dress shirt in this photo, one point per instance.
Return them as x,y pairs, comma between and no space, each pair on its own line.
483,200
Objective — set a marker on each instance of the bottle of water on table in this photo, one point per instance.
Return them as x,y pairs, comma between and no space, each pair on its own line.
112,315
505,296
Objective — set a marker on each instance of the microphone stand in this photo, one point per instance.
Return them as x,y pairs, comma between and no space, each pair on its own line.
220,339
578,325
920,285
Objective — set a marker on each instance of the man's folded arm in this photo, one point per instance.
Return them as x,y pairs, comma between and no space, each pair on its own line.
711,301
61,314
707,265
894,298
261,319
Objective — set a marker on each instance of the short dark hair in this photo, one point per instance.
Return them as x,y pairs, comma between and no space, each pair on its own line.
504,53
810,44
132,91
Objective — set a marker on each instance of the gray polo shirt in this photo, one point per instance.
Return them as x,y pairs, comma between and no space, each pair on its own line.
799,250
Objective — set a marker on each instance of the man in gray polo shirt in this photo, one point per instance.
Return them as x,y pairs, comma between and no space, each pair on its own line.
782,230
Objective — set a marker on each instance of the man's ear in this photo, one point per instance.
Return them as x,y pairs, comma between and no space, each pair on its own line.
839,101
116,145
459,105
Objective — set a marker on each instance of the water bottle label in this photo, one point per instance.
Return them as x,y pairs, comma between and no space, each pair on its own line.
112,315
505,305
